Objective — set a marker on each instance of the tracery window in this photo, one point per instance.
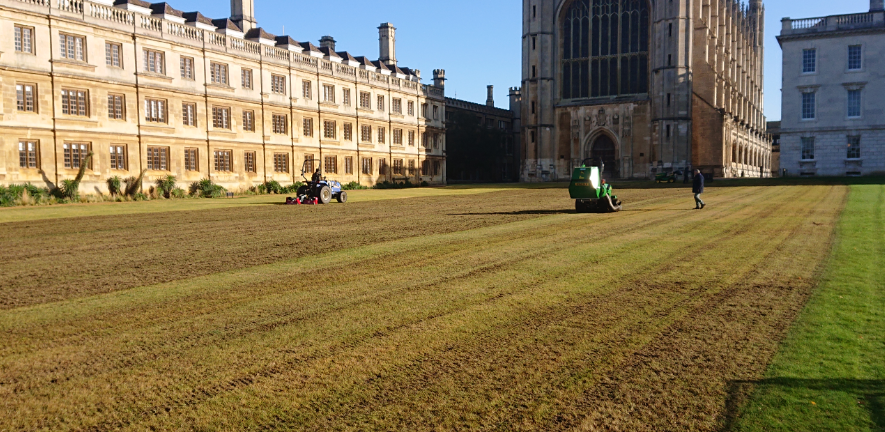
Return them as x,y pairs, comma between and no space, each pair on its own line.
605,48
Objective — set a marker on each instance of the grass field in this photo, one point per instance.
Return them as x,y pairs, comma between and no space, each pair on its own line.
438,309
830,373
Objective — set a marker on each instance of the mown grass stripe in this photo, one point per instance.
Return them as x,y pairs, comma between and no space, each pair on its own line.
830,373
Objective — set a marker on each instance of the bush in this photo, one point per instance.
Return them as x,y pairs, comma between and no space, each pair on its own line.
133,184
206,189
293,188
165,186
424,184
274,187
353,186
115,185
261,189
388,185
178,193
70,189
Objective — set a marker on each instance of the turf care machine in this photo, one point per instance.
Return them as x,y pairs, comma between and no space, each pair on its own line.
588,191
319,192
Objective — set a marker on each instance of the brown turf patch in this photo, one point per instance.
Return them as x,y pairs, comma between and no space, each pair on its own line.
534,321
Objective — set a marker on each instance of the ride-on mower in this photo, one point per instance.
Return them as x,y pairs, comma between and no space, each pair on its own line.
667,177
319,192
589,192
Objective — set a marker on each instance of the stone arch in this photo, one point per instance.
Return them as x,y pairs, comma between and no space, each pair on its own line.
602,143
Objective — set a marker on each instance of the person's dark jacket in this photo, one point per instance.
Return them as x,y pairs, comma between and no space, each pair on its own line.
316,177
698,186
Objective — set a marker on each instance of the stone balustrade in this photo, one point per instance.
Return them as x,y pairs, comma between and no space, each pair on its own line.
832,23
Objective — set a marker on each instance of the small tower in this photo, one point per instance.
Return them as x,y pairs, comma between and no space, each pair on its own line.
387,40
242,13
327,42
490,99
439,78
877,5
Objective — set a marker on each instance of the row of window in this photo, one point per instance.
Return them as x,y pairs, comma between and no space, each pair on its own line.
852,146
76,103
158,159
854,59
853,106
428,168
73,47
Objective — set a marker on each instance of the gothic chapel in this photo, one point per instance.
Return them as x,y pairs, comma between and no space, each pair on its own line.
645,85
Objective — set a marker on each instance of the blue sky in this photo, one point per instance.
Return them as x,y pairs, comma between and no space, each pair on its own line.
477,42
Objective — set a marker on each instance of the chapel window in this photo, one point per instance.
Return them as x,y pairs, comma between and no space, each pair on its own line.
605,48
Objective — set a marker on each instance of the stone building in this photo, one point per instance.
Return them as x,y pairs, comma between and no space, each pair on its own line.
149,87
483,140
833,121
645,85
774,129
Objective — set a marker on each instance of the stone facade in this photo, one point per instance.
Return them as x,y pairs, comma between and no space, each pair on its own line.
833,119
505,167
147,87
645,85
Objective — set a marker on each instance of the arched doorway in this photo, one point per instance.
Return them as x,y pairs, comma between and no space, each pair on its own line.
604,148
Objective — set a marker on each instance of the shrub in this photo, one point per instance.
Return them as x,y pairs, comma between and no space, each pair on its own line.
133,184
115,185
178,193
206,189
424,184
273,186
261,189
388,185
293,188
166,185
70,189
353,186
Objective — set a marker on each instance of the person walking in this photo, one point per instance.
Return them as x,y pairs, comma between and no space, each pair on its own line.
698,188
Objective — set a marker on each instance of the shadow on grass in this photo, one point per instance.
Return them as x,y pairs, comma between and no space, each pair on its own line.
657,210
740,394
517,213
747,182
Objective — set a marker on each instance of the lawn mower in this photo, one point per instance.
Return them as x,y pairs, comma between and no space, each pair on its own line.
667,177
317,192
589,191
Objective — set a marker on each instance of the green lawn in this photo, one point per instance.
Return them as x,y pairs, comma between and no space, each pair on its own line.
830,372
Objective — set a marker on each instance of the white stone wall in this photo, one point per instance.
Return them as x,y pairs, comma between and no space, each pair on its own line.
831,37
831,153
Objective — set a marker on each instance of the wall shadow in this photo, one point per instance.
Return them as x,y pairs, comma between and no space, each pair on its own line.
517,213
746,182
740,393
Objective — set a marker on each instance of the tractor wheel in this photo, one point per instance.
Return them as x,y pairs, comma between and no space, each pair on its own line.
325,195
579,206
303,190
672,180
342,197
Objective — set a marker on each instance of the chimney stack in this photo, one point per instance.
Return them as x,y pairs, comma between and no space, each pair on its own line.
490,99
439,78
242,13
327,42
387,39
877,5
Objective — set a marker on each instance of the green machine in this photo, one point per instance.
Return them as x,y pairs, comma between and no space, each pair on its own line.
591,195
